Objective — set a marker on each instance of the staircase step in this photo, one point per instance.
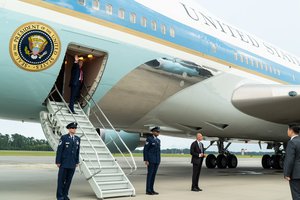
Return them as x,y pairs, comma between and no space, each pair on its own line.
61,104
109,177
113,185
118,193
86,155
70,115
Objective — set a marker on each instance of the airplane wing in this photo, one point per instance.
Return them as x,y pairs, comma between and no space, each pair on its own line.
274,103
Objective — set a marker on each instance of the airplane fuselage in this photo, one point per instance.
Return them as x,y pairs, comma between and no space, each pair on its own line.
210,60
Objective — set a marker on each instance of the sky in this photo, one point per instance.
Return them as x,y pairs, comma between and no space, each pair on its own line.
274,21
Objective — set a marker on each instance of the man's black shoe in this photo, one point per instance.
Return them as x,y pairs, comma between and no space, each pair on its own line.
149,193
155,193
74,113
195,190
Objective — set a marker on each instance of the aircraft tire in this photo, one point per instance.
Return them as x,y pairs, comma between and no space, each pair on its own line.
232,161
266,161
211,161
221,161
277,162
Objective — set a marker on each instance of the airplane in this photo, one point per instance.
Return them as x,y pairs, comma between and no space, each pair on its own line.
151,63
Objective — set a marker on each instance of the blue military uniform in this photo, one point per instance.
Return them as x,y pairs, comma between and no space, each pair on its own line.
152,155
67,156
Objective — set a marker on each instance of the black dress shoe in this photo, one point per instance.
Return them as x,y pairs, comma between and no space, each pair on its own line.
198,188
74,113
195,190
155,193
149,193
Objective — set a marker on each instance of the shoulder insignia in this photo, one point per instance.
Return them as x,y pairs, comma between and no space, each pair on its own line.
60,142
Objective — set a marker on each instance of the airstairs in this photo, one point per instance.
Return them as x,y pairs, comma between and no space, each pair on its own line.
97,164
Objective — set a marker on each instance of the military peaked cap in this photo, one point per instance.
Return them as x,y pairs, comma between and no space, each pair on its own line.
72,125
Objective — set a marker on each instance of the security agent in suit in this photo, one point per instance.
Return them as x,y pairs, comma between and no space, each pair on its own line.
76,81
67,159
152,159
292,160
197,152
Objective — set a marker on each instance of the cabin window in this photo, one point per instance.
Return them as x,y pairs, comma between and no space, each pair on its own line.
133,18
246,59
172,32
241,58
266,67
144,21
235,56
96,4
121,13
270,69
256,63
294,77
261,65
251,61
163,29
278,72
109,9
81,2
154,25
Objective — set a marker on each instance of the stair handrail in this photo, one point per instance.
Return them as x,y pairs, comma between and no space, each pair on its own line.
134,167
113,141
83,132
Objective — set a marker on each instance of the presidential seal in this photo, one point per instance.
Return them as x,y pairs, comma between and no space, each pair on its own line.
34,46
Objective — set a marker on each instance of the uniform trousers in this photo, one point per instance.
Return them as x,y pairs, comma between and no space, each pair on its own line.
295,188
152,169
64,180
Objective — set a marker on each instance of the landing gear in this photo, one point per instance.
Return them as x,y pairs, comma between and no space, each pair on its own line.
275,161
211,161
224,159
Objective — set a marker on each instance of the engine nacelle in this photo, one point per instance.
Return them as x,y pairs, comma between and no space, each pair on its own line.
111,139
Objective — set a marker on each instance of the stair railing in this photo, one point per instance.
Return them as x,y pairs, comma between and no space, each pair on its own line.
132,166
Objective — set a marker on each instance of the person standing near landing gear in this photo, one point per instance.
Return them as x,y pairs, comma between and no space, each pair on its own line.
197,152
152,159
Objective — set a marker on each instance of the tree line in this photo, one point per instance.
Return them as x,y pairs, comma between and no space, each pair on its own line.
20,142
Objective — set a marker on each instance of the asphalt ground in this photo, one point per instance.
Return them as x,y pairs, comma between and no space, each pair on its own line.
34,178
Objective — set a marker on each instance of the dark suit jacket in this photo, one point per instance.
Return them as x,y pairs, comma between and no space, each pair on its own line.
292,159
195,151
67,153
75,74
152,150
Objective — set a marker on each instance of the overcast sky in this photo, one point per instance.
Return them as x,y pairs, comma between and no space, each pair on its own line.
274,21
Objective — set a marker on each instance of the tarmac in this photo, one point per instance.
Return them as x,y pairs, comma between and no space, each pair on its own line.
34,178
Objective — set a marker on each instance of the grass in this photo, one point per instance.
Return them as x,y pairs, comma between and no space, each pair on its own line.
26,153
